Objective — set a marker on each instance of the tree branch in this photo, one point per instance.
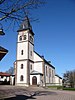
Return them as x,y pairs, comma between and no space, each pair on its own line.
1,1
31,3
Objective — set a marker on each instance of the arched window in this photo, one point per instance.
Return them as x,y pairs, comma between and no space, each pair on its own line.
21,66
21,52
46,70
21,78
52,73
20,38
31,53
31,67
49,72
31,39
24,37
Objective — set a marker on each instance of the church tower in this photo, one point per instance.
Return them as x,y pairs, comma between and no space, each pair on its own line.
25,55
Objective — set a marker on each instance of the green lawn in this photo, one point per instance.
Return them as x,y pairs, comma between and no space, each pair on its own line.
61,87
70,89
55,87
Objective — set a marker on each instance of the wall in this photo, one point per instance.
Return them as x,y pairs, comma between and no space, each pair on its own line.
22,46
4,78
38,63
22,71
37,58
58,80
49,73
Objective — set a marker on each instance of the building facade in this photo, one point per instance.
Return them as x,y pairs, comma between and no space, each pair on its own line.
30,67
58,80
4,78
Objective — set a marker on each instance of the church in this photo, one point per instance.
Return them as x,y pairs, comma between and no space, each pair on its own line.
30,67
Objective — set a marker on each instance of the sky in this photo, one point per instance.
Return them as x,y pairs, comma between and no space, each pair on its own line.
54,36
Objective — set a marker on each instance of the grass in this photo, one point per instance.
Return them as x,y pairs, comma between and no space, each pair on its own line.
55,87
61,87
70,89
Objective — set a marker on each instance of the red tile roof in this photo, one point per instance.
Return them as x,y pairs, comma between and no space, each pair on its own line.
4,74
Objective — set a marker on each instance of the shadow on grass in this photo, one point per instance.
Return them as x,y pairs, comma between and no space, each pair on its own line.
19,97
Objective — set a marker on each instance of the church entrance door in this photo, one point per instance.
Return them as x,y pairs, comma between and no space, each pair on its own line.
34,80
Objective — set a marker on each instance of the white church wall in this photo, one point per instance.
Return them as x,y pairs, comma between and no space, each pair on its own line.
49,73
37,58
22,71
38,67
31,53
22,46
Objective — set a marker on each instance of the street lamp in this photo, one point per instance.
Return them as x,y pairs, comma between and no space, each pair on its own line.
3,51
1,30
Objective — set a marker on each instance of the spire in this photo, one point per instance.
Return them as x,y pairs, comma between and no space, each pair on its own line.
25,25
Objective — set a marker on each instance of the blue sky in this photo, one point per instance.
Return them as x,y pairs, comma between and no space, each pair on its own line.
54,36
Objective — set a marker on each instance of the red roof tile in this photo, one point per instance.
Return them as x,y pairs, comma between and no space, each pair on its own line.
4,74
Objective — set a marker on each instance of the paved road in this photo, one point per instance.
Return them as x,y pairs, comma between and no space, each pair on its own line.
55,95
22,93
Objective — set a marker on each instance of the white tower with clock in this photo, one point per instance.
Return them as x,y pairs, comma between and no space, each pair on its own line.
25,55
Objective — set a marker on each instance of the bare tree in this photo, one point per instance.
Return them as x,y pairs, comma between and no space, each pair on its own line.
69,78
10,70
15,10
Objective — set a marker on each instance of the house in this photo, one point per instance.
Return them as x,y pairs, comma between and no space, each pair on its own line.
30,67
7,79
4,78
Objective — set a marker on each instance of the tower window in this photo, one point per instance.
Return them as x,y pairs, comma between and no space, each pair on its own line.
21,78
31,53
31,67
21,66
21,52
46,70
20,38
24,37
31,39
